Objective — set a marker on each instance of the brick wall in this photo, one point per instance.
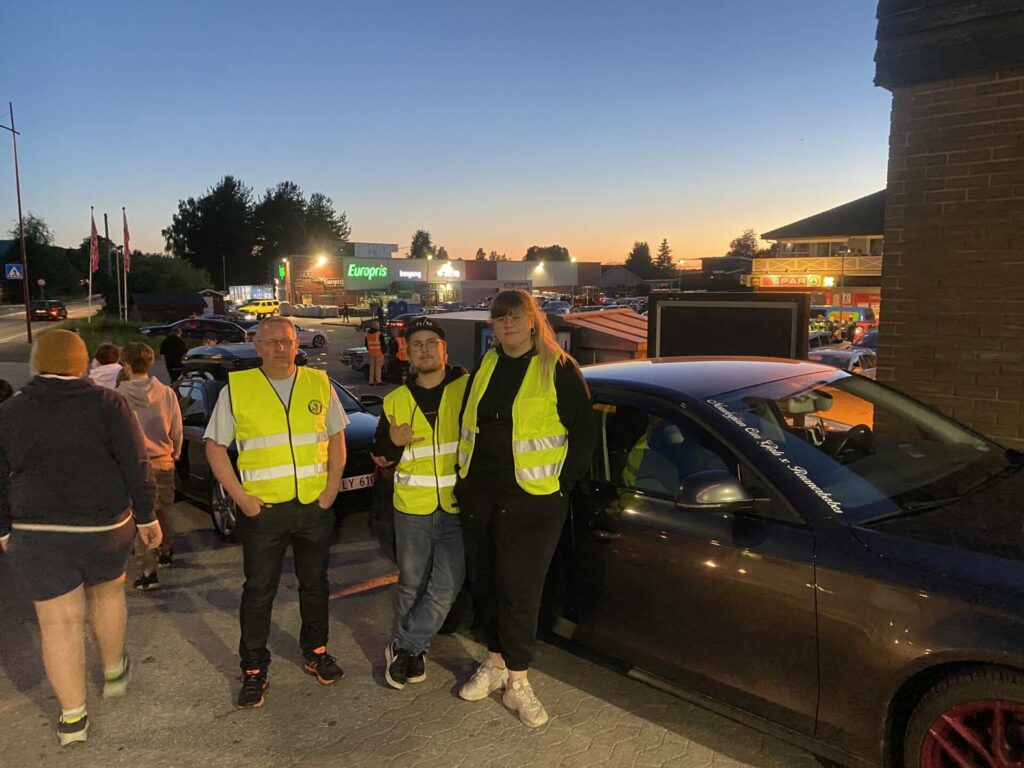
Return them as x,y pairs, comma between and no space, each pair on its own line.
952,315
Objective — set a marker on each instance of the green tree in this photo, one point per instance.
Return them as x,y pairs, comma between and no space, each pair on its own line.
481,255
442,254
156,273
46,261
421,246
280,219
216,233
664,261
37,231
546,253
638,261
745,245
495,256
327,230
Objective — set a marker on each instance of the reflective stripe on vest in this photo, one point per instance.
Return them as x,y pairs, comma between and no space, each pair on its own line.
540,441
282,454
425,476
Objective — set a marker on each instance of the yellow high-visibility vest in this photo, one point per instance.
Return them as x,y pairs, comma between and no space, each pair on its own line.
282,453
425,475
540,442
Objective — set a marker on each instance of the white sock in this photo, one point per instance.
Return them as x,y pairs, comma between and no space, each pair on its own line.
112,673
72,715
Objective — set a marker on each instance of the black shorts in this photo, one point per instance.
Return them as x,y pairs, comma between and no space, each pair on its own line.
53,563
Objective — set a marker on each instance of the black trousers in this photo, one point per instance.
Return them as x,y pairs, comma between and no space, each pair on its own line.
510,540
265,539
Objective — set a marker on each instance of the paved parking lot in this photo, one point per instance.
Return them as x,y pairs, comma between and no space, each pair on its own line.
180,711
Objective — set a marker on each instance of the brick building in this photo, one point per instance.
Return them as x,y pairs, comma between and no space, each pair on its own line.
952,321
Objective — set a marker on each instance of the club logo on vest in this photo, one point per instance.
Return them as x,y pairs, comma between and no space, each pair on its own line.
315,407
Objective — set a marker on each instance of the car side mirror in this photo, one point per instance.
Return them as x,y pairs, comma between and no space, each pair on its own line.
712,489
371,401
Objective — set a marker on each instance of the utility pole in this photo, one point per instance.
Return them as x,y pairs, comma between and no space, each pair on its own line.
21,225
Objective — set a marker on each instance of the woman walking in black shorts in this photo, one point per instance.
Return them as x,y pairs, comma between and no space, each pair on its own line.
73,487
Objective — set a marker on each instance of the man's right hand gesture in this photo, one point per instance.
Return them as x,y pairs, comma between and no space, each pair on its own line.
402,434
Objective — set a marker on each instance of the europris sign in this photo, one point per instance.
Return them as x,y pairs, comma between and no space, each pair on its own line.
367,272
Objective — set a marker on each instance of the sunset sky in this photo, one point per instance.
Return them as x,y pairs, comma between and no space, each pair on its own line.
590,124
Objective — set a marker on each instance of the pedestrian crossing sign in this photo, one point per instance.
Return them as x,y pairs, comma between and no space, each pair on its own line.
13,271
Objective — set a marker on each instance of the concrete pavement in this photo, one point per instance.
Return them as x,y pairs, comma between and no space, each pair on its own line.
179,710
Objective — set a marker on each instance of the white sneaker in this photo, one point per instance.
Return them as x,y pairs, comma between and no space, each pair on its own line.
519,697
486,680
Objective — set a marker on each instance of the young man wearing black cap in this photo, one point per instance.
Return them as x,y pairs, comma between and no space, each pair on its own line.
419,434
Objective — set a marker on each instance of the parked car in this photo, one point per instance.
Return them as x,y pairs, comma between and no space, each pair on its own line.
398,322
307,338
868,341
47,309
259,308
557,307
852,360
824,340
806,551
200,328
206,370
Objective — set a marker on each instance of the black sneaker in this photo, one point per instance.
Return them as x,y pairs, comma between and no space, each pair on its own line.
146,583
397,670
417,671
166,559
69,733
254,683
323,666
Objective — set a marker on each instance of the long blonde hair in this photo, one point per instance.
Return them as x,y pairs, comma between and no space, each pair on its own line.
544,341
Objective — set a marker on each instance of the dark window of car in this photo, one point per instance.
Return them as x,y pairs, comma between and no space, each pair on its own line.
645,452
188,324
192,402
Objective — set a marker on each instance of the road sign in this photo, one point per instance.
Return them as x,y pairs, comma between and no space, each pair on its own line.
40,281
13,271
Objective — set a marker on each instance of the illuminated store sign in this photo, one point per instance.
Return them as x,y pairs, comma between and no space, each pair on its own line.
410,274
447,270
788,281
366,272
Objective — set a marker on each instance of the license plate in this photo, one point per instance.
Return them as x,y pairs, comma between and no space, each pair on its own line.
356,482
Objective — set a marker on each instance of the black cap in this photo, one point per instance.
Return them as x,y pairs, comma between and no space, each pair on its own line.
422,323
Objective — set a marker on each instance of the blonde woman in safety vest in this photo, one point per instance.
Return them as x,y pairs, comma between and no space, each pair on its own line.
527,435
419,434
287,423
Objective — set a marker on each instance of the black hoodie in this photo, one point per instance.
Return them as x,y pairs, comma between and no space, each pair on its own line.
71,453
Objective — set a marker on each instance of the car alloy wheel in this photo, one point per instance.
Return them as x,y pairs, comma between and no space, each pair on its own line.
224,511
319,341
989,733
974,718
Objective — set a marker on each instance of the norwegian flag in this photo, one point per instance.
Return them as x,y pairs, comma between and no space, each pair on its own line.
94,248
127,249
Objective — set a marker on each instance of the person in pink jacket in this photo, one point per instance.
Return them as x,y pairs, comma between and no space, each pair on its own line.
156,407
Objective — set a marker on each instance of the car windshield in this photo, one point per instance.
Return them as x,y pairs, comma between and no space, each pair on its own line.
348,402
864,449
836,361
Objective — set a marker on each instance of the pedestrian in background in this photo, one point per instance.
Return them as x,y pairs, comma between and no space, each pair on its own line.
419,430
375,350
156,407
527,436
344,313
106,369
173,349
73,475
287,422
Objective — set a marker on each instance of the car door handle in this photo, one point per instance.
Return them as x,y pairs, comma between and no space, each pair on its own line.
602,534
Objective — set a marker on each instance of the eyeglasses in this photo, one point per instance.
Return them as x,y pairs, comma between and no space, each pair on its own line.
421,346
283,343
512,318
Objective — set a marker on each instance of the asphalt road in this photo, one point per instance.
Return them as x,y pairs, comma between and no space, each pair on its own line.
179,710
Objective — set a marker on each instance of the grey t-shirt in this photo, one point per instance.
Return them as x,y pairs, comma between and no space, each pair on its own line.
221,428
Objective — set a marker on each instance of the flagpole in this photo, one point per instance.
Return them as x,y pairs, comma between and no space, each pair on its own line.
127,260
117,267
92,215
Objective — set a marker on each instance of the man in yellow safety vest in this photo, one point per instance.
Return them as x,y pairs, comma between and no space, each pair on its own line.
287,423
419,433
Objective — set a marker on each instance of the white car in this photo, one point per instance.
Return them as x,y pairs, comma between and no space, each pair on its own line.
307,338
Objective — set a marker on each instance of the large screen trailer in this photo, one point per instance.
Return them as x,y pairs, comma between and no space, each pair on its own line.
758,324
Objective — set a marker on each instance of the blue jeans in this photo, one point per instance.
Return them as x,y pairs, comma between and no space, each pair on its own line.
431,569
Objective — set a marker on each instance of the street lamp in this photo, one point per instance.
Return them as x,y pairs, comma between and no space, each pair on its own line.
321,260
